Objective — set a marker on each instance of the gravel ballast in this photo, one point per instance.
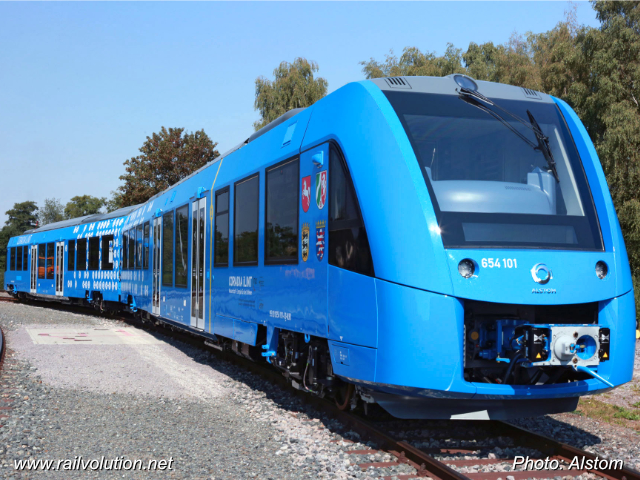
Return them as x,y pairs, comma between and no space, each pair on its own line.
170,400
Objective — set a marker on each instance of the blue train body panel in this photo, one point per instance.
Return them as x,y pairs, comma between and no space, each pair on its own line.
394,267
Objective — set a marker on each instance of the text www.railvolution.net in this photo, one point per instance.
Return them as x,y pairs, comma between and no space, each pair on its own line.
78,463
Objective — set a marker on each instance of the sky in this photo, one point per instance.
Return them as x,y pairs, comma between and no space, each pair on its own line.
83,84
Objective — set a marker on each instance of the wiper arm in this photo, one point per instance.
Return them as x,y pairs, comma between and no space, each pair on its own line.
498,117
543,141
543,146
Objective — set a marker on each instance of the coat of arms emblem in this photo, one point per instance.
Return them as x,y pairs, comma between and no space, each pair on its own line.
320,230
321,189
306,193
305,241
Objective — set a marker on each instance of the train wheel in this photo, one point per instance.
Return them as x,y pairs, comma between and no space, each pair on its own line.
343,396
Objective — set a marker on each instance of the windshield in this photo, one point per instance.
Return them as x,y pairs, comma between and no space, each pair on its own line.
490,186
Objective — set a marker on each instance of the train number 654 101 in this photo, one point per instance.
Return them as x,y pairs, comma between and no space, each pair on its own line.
497,263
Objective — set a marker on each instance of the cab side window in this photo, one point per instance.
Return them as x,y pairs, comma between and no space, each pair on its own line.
348,242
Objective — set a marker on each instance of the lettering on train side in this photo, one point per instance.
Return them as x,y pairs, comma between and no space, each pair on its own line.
240,281
243,285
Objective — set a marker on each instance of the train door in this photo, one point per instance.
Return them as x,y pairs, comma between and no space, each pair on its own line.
59,268
156,266
198,232
34,268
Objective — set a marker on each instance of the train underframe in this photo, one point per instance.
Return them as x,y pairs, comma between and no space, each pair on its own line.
498,349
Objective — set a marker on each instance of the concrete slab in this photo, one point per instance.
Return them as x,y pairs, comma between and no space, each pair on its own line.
91,336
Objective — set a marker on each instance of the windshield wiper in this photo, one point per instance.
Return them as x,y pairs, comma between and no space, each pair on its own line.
474,98
543,146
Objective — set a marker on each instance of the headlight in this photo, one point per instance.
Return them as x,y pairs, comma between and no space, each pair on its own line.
466,268
601,269
465,82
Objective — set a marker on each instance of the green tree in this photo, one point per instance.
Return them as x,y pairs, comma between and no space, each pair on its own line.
294,86
114,203
165,158
412,62
22,217
52,212
82,205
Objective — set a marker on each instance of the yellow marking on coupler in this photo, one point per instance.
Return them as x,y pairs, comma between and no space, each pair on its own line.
211,241
539,356
605,355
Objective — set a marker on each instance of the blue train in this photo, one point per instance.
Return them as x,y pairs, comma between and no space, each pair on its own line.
443,247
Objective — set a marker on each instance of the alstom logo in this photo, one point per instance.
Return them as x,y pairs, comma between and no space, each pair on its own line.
541,273
543,290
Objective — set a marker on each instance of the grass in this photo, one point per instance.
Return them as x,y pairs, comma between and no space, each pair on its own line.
625,417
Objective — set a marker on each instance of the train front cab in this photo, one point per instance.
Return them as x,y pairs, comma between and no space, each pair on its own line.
430,341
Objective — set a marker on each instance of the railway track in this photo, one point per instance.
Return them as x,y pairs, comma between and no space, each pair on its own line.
445,463
457,456
2,348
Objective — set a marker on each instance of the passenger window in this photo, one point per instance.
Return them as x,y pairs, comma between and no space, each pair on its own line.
25,258
245,221
42,260
281,214
50,255
348,242
81,253
132,248
94,253
71,256
222,228
107,252
12,263
146,246
167,249
139,246
182,246
125,253
19,258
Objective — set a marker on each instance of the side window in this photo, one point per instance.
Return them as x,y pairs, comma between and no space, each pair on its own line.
94,253
348,242
12,263
107,252
167,249
132,249
19,258
145,252
182,246
81,253
50,255
71,255
281,213
125,255
25,258
222,228
42,260
245,222
139,246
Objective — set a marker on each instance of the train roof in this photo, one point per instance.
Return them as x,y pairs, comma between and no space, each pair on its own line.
449,86
96,217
